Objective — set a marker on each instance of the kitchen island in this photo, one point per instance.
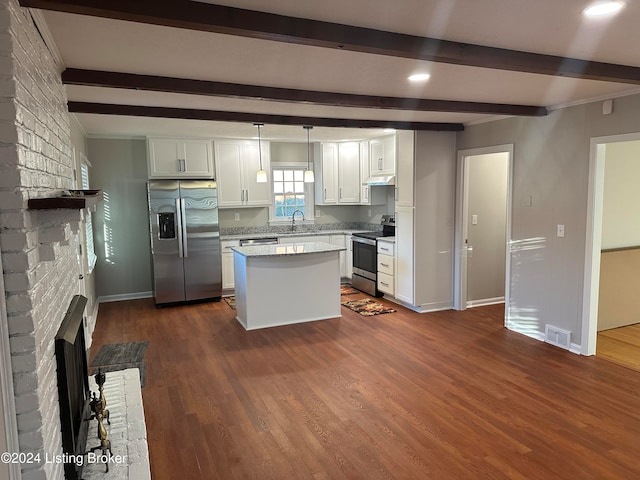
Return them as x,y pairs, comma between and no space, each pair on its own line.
286,284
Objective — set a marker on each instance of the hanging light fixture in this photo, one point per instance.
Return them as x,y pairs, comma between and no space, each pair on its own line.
261,176
308,173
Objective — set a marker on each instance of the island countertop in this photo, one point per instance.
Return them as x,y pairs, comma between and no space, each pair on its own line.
286,249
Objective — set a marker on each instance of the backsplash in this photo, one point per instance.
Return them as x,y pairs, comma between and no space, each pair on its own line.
280,229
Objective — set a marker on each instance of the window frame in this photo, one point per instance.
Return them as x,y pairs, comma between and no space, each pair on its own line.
90,253
309,210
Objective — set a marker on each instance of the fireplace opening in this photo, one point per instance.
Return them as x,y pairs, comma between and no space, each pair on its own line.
73,385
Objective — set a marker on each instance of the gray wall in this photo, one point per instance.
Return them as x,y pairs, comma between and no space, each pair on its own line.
121,222
488,200
551,163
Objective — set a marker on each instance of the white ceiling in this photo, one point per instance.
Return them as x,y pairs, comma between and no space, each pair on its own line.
541,26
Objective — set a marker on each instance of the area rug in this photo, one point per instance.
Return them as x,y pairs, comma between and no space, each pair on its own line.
347,289
231,301
367,307
120,356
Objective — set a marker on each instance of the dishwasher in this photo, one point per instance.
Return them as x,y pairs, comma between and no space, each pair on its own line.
259,241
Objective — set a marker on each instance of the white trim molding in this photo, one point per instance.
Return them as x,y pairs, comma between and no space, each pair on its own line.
43,28
121,297
6,385
593,241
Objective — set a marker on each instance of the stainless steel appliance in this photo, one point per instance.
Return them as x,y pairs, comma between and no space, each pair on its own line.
365,256
185,240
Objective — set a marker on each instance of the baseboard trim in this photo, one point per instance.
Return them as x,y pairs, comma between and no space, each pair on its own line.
424,308
124,296
484,302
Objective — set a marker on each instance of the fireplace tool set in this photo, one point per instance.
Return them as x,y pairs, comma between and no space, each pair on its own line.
98,406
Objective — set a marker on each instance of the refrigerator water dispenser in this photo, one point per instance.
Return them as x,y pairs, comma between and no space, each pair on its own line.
167,225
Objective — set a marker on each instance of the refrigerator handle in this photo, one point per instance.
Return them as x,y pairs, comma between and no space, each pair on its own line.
183,214
179,217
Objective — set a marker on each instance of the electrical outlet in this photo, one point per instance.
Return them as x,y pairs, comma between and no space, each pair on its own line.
369,212
237,217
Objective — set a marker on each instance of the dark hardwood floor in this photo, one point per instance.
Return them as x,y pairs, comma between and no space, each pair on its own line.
447,395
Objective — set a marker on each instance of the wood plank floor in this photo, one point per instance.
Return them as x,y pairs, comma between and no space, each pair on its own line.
620,345
446,395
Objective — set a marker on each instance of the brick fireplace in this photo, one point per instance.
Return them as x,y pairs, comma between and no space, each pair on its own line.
39,256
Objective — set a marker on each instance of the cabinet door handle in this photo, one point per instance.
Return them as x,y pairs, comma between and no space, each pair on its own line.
380,163
247,195
366,193
324,194
385,249
179,165
242,195
384,283
184,165
384,264
340,193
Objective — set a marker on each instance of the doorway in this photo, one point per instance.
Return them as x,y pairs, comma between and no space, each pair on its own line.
596,241
483,227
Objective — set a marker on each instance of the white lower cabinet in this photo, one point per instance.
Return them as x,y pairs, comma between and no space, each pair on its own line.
227,263
386,267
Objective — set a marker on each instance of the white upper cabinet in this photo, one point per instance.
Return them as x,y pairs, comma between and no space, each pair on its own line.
349,172
237,162
179,158
382,155
338,173
326,174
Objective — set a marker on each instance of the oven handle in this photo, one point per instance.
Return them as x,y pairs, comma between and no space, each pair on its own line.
368,241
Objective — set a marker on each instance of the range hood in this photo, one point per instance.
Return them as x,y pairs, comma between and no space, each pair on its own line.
380,180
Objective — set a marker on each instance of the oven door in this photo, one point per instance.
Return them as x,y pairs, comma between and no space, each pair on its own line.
365,261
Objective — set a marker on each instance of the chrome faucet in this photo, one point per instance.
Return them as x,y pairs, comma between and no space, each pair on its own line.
293,218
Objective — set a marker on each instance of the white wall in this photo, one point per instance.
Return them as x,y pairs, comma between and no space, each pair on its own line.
487,194
621,208
39,259
551,164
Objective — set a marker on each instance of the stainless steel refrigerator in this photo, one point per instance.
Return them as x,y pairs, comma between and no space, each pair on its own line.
185,240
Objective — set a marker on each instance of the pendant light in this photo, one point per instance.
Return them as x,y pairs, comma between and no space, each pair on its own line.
308,173
261,176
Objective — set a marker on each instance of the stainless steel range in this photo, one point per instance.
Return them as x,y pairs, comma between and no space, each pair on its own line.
365,256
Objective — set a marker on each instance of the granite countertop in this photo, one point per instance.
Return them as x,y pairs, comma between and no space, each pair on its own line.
242,236
286,249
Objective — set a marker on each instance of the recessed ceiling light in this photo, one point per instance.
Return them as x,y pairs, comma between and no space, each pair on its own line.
419,77
600,9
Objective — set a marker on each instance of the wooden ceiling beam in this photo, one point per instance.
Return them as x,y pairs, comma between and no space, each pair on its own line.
97,78
223,116
281,28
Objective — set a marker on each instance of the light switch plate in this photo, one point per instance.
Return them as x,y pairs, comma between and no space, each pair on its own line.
560,231
474,219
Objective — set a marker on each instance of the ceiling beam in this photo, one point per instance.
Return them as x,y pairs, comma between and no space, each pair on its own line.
222,116
267,26
96,78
